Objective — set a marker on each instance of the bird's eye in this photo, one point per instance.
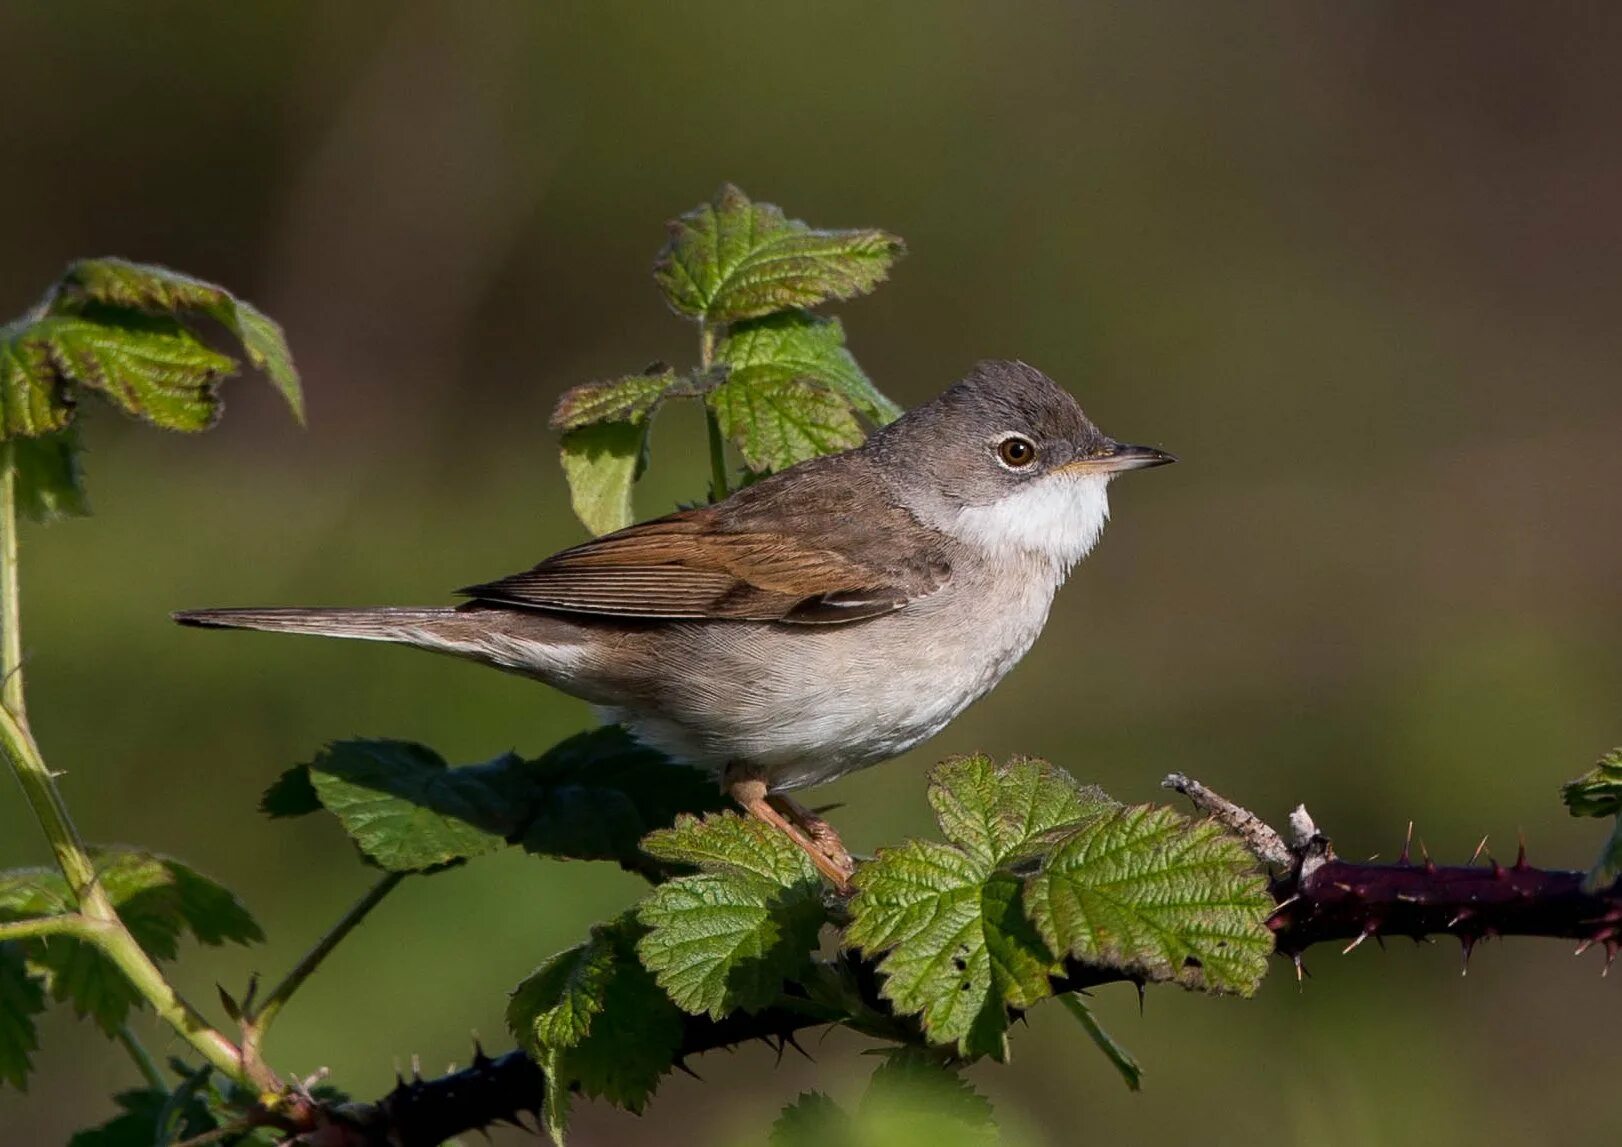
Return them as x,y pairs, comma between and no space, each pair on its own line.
1016,452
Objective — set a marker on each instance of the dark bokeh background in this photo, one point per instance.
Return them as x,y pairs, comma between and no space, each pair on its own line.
1358,265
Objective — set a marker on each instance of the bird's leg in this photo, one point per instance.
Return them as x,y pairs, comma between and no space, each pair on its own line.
822,833
749,790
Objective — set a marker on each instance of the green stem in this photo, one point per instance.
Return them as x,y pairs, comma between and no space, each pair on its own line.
70,924
718,451
254,1027
11,637
143,1059
98,919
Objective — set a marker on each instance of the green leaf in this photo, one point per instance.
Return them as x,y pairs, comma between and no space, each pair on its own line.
35,397
776,424
1119,1057
405,808
148,1117
813,1120
149,366
158,290
1001,813
50,481
291,794
733,259
798,347
595,796
592,1017
1598,792
912,1088
958,948
601,462
1146,890
22,997
958,951
728,936
159,899
629,399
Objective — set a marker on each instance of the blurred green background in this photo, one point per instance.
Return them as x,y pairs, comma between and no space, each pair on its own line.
1357,264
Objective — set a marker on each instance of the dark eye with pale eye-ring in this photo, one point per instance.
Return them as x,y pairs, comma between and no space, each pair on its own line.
1016,452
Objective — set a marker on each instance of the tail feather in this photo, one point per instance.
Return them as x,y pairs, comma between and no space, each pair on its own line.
368,623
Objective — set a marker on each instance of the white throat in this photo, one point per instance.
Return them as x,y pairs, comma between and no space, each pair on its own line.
1057,518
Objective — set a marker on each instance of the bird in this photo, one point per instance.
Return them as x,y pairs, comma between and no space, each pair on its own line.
821,620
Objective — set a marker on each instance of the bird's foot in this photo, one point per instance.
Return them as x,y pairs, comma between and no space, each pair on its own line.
811,833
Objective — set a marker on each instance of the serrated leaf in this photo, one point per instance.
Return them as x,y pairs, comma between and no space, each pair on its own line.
796,346
597,794
35,397
1121,1059
291,794
775,424
733,259
149,1116
1147,890
999,813
22,997
158,290
50,480
158,898
629,399
149,366
1598,792
813,1120
592,1017
914,1086
601,462
957,949
405,808
728,936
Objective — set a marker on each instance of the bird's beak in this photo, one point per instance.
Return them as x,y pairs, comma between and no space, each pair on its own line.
1118,457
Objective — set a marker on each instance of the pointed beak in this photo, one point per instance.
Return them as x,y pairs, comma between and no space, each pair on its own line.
1118,457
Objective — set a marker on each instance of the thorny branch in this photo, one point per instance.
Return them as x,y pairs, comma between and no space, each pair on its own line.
1321,899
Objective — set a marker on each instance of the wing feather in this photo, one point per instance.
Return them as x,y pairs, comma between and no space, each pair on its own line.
803,547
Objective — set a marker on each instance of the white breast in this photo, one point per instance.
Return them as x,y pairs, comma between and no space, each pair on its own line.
1059,517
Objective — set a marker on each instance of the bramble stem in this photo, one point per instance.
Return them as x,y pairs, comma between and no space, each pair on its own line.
97,921
718,453
254,1026
71,924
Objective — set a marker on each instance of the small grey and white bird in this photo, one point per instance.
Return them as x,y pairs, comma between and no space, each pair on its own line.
824,619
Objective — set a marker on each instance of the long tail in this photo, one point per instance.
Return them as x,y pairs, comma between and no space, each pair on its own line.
368,623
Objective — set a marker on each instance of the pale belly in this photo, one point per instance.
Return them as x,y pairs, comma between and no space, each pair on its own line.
807,705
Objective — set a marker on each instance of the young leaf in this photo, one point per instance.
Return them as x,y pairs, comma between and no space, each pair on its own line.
405,808
1119,1057
22,997
1598,792
35,397
796,346
593,1018
597,794
601,461
150,366
158,290
733,259
50,481
1147,890
728,936
958,949
629,399
912,1087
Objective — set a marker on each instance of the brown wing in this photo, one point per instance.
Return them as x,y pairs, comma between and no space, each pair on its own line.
809,548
